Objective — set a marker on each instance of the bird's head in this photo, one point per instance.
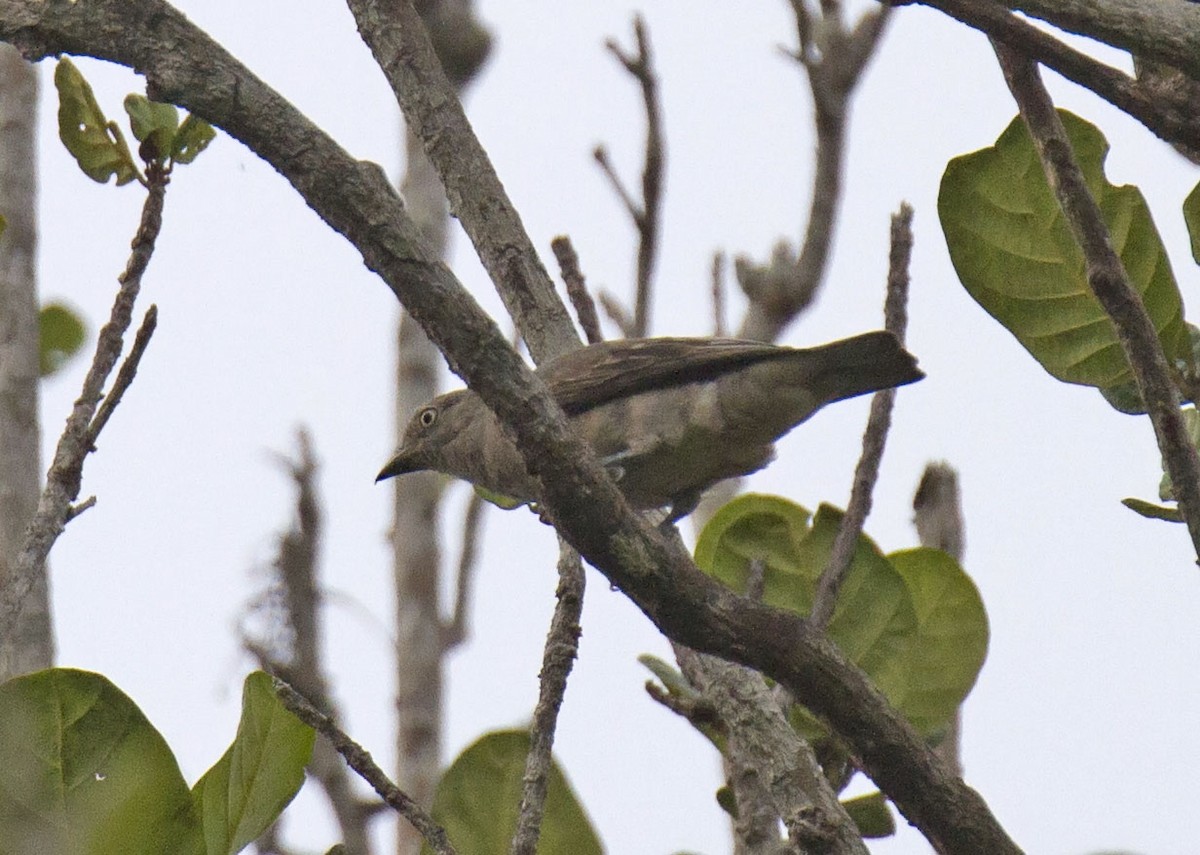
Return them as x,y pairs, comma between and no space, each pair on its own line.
430,438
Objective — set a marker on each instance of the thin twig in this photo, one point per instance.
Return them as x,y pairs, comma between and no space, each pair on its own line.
647,215
616,313
718,293
562,645
125,373
572,277
454,633
359,759
875,436
1109,282
65,476
1161,116
301,665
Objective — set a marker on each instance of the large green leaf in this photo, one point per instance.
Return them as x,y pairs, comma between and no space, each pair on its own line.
247,789
82,772
951,637
1015,255
96,144
479,797
61,336
913,621
873,621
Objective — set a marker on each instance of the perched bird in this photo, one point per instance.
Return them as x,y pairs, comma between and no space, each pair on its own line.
668,417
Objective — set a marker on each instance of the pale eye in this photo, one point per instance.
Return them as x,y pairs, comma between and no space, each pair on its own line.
428,416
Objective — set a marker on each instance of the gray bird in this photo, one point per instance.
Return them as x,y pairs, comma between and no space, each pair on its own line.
668,417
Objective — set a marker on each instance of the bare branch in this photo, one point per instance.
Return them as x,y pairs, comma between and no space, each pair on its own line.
1174,122
718,293
834,66
359,759
125,374
617,313
572,276
64,479
1109,282
455,632
300,664
400,44
562,645
875,436
647,215
939,525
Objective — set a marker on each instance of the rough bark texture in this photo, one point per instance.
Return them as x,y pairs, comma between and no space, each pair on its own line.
32,642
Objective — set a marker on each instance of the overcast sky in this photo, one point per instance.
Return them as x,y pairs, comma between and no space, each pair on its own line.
1081,732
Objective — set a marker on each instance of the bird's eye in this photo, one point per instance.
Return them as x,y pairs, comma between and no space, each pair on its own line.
428,416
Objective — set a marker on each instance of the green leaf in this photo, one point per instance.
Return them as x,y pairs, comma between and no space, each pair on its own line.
1153,511
83,772
62,334
247,789
479,797
871,815
96,144
873,621
1191,217
153,124
913,621
193,137
1013,252
951,638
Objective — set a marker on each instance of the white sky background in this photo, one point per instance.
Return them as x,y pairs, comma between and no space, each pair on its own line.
1080,733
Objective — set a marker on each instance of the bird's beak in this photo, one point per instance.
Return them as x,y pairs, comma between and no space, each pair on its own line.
401,464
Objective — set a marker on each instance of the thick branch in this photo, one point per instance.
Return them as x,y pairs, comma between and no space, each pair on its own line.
399,42
182,65
1109,282
1161,116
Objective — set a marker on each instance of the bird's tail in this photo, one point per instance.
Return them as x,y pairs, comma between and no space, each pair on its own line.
858,365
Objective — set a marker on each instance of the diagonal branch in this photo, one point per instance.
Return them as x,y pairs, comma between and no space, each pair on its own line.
65,477
1162,117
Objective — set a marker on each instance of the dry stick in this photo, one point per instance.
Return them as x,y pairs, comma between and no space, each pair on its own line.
184,66
832,75
939,523
297,568
616,313
65,476
360,760
562,645
455,632
1107,278
1163,119
572,277
647,215
718,293
875,436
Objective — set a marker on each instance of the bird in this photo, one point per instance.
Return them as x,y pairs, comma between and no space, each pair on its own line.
667,417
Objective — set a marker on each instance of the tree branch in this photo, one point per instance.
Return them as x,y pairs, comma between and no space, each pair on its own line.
562,646
1109,282
1163,117
64,479
646,216
360,760
875,436
398,40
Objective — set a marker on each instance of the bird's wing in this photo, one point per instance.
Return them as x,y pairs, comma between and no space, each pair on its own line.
594,375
